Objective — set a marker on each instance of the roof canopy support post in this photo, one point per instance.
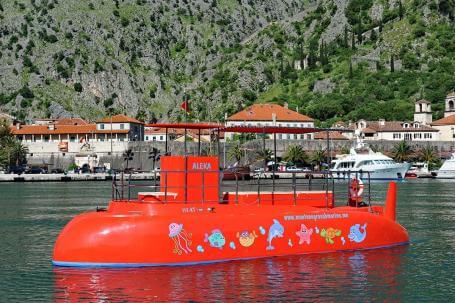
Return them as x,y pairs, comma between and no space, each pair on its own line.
274,167
166,142
199,143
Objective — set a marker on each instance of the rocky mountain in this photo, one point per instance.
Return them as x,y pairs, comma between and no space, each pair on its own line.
332,59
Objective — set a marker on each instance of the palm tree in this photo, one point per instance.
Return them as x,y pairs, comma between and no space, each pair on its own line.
236,153
427,154
401,151
318,157
295,154
17,153
264,155
344,150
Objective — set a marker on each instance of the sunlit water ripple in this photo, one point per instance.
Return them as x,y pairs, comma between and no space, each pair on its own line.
32,214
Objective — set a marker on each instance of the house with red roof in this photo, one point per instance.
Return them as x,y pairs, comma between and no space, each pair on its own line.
270,114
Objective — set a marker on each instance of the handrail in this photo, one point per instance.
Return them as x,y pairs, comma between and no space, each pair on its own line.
297,180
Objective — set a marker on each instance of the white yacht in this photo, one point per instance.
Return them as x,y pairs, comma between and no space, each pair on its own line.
363,161
447,170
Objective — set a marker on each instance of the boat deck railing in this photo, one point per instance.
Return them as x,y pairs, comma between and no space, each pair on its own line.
248,188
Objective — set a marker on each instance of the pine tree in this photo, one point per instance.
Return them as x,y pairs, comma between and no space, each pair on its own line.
392,66
353,41
380,26
346,37
351,74
400,10
373,36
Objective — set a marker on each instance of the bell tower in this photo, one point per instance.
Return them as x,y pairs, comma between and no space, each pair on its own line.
422,113
450,105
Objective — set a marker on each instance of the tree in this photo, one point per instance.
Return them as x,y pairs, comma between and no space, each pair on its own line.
392,65
373,36
401,151
352,41
346,36
264,155
318,157
351,73
400,10
78,87
12,152
295,154
236,153
428,154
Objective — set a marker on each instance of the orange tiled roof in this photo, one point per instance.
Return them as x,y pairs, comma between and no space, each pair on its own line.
119,119
62,130
333,135
449,120
396,126
263,112
71,121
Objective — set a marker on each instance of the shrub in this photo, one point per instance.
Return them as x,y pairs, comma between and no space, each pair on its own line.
78,87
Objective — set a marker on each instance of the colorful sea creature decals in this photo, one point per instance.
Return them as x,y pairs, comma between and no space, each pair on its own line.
262,230
304,234
358,233
200,249
316,229
290,243
182,239
246,238
343,240
232,245
329,234
275,230
216,239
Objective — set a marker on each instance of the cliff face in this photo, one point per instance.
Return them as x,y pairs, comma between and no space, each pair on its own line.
87,57
91,58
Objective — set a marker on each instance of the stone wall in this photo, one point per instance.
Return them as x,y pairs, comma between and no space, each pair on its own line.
141,159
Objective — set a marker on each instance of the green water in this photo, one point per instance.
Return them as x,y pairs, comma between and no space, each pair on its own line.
32,214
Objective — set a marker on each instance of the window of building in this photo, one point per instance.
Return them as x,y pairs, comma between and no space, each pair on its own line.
161,138
146,138
72,139
101,126
408,136
396,135
154,138
46,138
122,126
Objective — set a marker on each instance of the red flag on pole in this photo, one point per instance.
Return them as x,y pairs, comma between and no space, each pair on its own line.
185,106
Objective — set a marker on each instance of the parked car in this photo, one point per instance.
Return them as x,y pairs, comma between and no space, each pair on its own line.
294,169
17,170
99,170
36,170
237,173
85,169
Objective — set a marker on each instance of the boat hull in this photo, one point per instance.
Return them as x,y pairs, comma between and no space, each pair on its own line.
397,172
134,234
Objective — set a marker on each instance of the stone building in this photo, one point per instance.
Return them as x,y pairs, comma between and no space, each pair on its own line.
446,125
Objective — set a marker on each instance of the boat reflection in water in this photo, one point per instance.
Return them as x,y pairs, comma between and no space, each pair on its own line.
352,276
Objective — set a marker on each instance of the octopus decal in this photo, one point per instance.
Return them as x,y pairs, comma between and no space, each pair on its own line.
182,239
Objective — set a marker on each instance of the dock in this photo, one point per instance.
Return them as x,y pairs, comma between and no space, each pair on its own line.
71,177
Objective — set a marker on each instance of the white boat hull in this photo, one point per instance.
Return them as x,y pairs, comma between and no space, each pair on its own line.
396,172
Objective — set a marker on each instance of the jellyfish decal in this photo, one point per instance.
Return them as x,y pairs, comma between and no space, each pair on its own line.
182,239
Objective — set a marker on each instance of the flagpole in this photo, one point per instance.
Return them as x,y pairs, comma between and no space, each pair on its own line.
186,121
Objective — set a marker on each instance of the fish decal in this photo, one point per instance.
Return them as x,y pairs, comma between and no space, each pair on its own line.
215,239
246,238
262,230
290,243
358,233
275,230
304,234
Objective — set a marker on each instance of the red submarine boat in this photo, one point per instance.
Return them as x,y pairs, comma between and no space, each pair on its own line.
191,217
